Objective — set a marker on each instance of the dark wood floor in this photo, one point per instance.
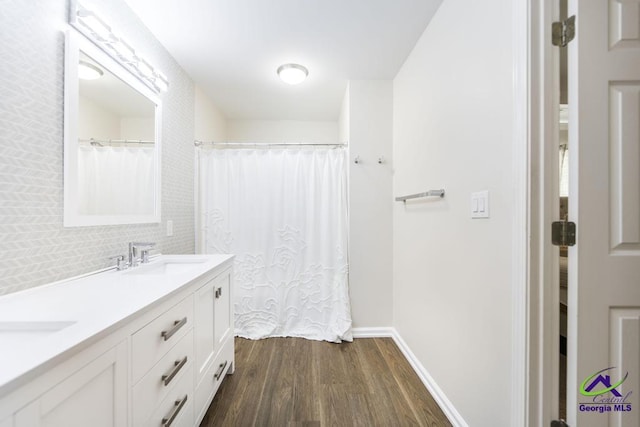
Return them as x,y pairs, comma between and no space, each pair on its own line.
298,382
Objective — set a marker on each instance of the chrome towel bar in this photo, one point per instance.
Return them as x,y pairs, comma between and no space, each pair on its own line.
430,193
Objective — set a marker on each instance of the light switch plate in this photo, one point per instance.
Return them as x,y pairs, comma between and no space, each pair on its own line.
169,228
480,204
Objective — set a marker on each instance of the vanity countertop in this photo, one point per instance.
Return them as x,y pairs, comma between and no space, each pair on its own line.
41,326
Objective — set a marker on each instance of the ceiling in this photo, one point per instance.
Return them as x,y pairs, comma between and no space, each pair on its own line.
232,48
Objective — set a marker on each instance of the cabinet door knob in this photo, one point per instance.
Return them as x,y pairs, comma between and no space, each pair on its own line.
220,370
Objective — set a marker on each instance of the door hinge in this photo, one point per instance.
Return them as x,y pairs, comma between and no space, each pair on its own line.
563,32
563,233
559,423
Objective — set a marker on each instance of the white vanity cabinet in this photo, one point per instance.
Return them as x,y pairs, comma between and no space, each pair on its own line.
160,366
91,395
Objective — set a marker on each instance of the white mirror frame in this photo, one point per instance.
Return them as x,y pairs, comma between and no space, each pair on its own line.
74,44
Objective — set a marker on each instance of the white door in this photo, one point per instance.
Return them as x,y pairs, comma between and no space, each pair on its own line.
604,266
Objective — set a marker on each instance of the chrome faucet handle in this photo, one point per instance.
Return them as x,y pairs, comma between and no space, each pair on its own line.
121,263
144,254
144,248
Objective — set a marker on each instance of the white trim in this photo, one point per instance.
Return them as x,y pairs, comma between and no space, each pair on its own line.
436,392
378,332
543,345
197,204
521,221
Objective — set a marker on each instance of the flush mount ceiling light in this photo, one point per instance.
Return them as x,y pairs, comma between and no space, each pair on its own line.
292,73
88,71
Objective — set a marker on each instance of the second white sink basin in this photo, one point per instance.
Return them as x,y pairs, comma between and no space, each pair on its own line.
167,266
16,332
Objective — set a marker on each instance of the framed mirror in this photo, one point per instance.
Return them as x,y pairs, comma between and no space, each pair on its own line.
112,125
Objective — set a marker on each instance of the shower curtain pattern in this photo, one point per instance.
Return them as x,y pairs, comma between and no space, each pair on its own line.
284,214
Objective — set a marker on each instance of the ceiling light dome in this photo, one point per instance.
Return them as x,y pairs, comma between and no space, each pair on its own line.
292,73
88,71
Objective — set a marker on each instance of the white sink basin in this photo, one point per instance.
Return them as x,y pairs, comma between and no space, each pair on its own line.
167,266
18,332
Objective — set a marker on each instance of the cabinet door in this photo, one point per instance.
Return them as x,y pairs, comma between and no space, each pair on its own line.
95,395
203,328
212,320
223,310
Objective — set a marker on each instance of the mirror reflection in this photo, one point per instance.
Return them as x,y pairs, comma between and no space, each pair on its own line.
116,139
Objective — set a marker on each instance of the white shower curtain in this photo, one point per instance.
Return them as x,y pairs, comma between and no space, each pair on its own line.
110,178
283,213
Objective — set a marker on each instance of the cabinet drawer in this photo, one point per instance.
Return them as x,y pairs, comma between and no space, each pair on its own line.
214,376
162,378
153,341
176,410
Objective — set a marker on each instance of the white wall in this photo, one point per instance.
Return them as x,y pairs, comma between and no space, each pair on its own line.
138,128
343,120
452,130
368,122
95,121
210,123
282,131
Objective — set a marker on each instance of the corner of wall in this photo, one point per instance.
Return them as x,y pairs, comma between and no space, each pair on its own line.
343,121
368,116
209,122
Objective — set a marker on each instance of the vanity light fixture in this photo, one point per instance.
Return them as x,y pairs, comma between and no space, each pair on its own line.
94,24
161,81
88,71
145,69
292,74
96,30
124,51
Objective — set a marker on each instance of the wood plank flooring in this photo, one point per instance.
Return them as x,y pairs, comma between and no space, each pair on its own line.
298,382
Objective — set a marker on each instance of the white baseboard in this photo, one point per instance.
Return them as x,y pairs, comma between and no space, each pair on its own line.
438,395
380,332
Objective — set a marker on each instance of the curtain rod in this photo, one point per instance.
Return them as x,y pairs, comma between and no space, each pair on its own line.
198,143
103,142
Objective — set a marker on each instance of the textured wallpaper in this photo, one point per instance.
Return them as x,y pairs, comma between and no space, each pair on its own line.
35,248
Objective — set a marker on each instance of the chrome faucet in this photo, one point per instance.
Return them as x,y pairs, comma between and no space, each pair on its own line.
143,249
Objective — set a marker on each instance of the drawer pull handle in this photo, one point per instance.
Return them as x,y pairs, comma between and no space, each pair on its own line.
166,422
218,293
176,327
178,365
220,370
